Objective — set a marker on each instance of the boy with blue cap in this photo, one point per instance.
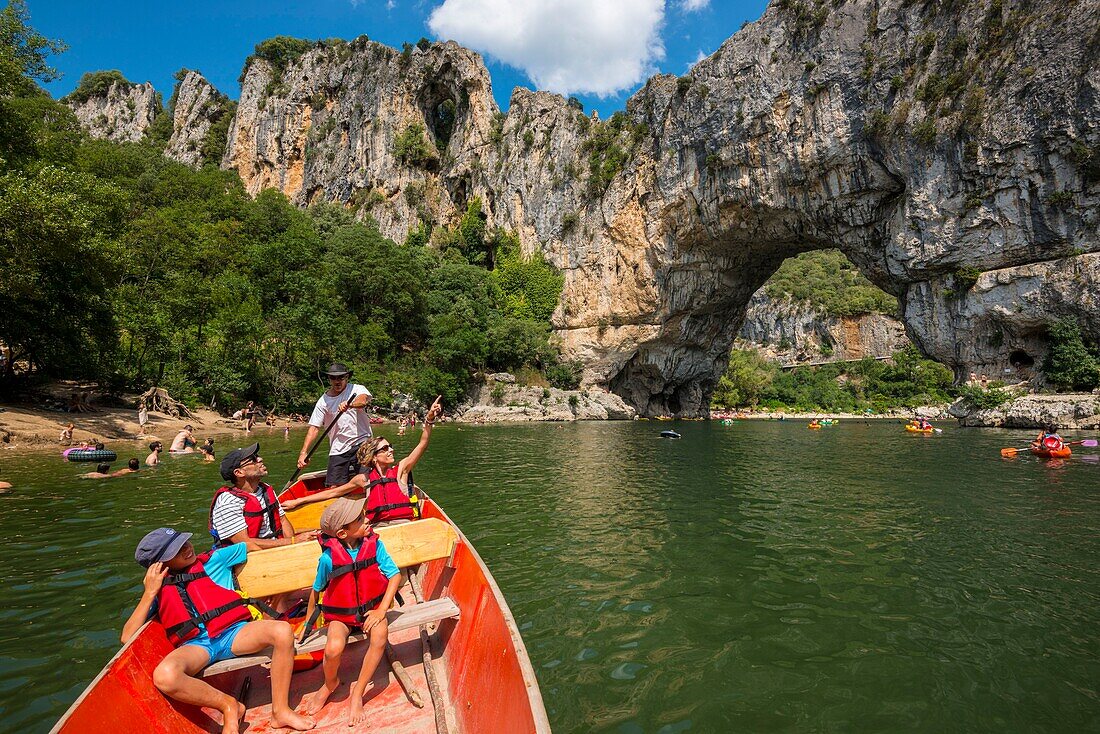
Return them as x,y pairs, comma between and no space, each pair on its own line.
207,621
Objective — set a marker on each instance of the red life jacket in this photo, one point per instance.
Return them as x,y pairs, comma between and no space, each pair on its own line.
254,512
356,586
189,599
385,500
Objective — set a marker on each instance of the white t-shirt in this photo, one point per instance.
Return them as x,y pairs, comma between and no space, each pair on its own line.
352,429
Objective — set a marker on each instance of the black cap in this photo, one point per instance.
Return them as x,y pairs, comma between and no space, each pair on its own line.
234,458
337,369
161,544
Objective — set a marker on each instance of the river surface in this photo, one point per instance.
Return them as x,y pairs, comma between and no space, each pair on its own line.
759,577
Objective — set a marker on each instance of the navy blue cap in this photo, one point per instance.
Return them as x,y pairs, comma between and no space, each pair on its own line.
160,545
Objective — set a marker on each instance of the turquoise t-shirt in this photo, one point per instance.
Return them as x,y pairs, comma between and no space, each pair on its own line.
324,564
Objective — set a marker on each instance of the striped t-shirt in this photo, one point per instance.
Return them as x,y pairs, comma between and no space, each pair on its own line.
229,515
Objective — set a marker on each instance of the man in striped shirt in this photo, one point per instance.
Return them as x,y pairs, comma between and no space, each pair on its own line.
269,526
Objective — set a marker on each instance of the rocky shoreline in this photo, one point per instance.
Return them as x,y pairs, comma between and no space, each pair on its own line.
1067,411
500,400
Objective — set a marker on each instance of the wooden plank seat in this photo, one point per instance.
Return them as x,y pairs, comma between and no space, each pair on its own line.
293,567
399,619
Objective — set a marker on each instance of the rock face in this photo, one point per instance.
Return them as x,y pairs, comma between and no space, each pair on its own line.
794,332
123,114
500,400
328,129
196,107
1070,411
951,150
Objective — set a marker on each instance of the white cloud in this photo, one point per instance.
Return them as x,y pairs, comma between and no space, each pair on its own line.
699,57
564,46
690,6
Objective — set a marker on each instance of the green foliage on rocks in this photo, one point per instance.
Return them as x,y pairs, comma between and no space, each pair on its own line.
280,52
97,83
907,381
412,147
1069,363
125,267
829,280
608,147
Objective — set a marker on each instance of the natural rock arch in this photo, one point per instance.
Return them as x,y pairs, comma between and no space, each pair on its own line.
950,150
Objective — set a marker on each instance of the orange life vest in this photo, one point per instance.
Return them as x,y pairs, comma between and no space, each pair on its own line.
386,500
357,585
254,512
190,600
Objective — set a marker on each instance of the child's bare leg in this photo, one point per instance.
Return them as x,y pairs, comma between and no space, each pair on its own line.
378,636
334,648
175,678
256,636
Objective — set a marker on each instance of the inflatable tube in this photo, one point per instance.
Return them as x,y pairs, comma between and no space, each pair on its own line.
67,451
101,455
669,434
1062,453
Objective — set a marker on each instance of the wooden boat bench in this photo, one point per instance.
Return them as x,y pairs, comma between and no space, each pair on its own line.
294,567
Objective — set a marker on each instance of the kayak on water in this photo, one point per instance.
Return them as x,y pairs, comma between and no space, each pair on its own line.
914,429
1062,453
669,434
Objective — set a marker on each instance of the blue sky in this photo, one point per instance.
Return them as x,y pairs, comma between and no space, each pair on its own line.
599,50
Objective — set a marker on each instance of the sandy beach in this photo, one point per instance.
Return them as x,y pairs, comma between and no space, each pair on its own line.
25,427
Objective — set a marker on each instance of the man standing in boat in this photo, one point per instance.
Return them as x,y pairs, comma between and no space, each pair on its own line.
345,403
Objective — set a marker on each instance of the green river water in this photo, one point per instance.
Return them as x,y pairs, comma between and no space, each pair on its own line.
759,577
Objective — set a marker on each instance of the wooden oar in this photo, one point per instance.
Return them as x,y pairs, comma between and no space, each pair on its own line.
320,438
1088,442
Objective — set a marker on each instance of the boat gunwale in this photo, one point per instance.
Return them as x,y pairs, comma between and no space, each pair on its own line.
530,679
99,676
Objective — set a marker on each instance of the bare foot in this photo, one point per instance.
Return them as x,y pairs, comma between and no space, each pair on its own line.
230,722
292,720
355,709
317,701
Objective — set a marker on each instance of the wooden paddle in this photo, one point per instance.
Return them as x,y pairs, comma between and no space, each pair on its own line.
320,438
1088,442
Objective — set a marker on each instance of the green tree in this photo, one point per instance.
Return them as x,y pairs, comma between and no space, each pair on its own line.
1069,363
746,377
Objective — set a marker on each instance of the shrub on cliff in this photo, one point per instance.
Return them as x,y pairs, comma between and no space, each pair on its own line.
1069,363
280,52
412,147
96,84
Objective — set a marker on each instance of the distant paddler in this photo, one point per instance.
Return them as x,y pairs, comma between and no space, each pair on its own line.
342,404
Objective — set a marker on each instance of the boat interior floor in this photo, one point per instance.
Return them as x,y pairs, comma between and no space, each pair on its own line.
386,707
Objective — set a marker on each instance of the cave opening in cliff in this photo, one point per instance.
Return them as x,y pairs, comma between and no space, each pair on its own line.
1020,358
441,111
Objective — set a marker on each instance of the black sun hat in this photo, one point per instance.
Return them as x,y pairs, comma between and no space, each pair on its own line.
337,369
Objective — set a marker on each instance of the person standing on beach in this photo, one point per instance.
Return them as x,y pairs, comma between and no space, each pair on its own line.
352,427
143,417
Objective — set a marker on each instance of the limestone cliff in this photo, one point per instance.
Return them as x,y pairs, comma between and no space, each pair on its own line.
122,114
197,107
795,332
951,150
